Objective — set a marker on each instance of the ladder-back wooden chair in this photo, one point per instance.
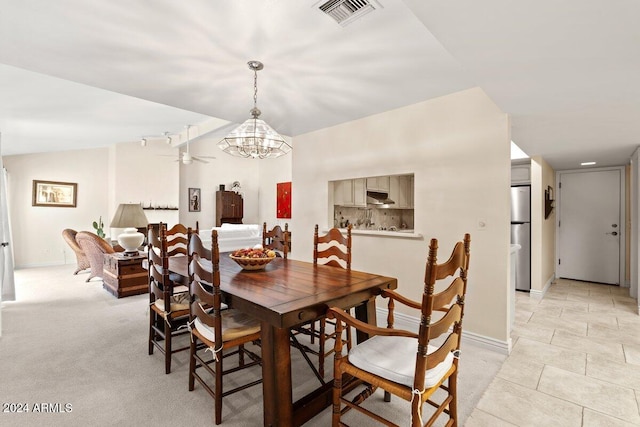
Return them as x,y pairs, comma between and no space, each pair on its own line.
177,245
276,239
333,249
169,305
216,333
382,360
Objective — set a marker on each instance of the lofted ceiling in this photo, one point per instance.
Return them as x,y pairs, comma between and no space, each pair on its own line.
88,73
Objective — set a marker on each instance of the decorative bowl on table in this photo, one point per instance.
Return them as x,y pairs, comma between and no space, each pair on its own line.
252,259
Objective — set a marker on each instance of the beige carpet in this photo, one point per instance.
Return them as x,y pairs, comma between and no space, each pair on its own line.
71,343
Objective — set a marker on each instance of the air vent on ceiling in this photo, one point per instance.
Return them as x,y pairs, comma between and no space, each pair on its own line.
346,11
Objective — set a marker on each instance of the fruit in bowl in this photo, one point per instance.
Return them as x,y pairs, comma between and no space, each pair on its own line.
255,258
253,253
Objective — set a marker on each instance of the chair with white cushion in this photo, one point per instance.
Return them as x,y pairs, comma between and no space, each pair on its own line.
169,306
176,237
332,249
383,359
216,333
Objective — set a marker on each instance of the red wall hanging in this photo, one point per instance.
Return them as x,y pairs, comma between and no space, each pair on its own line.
283,202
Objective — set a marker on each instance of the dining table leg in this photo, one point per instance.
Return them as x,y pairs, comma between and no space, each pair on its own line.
276,376
366,312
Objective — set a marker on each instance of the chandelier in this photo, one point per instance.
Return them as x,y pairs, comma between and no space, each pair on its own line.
254,138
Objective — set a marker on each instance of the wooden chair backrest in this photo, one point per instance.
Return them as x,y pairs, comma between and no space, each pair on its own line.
450,301
176,237
277,239
332,248
153,234
160,286
204,283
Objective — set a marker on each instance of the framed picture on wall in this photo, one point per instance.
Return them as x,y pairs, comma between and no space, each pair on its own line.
54,194
194,200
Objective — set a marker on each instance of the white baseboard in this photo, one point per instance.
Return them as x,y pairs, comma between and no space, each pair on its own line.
540,294
37,265
502,347
412,323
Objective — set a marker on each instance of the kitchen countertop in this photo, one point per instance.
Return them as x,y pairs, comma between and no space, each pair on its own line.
407,234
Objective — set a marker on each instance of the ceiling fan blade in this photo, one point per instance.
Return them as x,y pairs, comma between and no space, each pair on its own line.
198,159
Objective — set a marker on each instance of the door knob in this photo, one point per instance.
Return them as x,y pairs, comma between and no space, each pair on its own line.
613,233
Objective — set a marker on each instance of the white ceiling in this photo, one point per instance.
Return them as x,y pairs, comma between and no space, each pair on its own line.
88,73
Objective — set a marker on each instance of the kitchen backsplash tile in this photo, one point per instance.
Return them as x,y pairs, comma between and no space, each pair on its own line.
373,219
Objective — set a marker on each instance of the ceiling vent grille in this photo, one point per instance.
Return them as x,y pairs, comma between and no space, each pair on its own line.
346,11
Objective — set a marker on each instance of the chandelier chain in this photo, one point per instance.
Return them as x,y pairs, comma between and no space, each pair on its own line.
255,89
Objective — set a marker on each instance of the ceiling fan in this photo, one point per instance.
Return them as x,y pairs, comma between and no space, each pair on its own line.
185,156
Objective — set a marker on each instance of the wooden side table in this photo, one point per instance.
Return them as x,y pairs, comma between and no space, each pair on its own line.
124,275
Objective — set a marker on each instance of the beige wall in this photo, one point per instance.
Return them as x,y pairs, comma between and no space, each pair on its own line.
543,230
458,147
224,169
634,239
272,172
628,228
36,231
146,175
129,173
106,177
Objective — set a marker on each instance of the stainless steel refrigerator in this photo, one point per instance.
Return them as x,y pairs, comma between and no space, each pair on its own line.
521,234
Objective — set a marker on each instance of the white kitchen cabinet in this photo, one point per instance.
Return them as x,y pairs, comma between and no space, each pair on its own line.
520,173
359,192
350,192
343,192
401,191
406,191
378,183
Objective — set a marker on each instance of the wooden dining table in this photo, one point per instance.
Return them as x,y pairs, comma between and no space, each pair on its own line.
285,294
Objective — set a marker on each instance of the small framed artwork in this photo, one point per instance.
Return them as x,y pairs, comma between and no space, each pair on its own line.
55,194
194,200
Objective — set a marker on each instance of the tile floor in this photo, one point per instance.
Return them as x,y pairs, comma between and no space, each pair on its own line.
575,361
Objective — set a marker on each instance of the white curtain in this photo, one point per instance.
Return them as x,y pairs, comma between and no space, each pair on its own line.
6,250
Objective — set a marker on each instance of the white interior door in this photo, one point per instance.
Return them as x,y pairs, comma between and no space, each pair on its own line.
590,228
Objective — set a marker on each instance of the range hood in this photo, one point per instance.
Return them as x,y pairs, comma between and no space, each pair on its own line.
378,198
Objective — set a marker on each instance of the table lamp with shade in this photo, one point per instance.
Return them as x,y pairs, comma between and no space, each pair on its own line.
131,217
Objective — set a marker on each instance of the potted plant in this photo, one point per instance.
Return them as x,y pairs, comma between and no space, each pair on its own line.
99,227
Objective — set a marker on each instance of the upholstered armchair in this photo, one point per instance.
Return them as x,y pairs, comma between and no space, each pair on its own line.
69,236
94,247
